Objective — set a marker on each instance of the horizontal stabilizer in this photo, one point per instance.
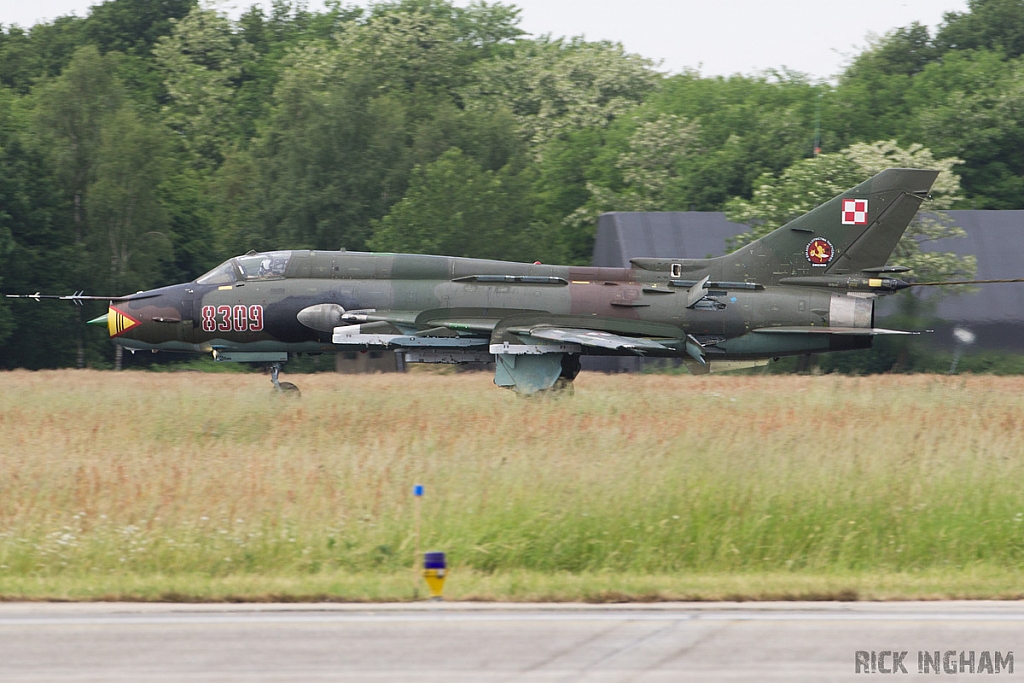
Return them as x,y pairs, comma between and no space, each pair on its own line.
851,331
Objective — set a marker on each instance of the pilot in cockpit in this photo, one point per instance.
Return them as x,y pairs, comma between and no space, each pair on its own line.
265,267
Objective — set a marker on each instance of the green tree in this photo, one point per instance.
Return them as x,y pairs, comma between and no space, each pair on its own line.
749,125
652,166
7,247
40,52
652,172
871,101
273,37
110,164
132,26
957,93
126,27
482,30
37,245
971,106
201,62
427,46
903,51
329,162
691,145
127,220
553,87
352,117
457,208
563,97
987,24
70,113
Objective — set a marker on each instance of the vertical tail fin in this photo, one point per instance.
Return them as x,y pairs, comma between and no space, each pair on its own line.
856,230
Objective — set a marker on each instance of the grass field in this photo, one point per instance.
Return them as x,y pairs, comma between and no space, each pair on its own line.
193,486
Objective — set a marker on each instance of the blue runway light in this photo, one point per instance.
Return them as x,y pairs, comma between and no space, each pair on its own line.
417,490
434,560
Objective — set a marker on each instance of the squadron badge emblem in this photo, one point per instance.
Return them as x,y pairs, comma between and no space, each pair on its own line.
820,251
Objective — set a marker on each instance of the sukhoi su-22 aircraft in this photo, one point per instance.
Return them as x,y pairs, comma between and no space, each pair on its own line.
808,287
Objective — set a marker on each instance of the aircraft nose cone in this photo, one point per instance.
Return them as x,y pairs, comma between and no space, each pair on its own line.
102,320
119,322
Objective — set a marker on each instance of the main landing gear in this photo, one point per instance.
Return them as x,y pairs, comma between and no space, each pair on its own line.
282,388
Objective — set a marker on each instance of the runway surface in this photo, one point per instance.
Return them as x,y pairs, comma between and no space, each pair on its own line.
486,642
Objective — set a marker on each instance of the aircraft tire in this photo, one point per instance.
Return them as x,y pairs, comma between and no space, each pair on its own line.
563,387
570,366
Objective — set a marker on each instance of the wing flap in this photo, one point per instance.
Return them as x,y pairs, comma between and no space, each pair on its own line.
594,338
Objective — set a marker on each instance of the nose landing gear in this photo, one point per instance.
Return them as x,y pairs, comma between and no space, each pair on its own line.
282,388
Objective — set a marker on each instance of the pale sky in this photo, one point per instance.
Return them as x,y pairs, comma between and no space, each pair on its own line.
720,37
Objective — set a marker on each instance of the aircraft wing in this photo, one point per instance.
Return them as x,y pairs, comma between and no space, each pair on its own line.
850,331
465,328
594,338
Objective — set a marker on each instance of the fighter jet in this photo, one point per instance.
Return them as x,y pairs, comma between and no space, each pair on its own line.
808,287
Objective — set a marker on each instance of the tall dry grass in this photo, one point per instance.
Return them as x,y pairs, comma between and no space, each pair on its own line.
188,473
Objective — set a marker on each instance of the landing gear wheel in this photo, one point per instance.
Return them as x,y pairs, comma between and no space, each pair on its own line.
282,388
571,366
563,387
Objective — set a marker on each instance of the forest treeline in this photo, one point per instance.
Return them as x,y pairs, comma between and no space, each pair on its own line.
146,142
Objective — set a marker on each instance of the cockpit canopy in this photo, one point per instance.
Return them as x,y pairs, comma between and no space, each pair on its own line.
253,266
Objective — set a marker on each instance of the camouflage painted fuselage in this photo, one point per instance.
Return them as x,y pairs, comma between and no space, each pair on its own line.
416,291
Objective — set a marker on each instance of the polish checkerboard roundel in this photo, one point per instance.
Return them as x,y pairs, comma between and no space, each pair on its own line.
855,212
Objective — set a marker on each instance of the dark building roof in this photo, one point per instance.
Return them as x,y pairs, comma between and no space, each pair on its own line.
995,313
623,235
996,238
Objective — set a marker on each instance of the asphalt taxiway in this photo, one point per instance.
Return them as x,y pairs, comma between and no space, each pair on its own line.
488,642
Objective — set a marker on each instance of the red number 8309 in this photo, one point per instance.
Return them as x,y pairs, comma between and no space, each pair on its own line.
232,318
